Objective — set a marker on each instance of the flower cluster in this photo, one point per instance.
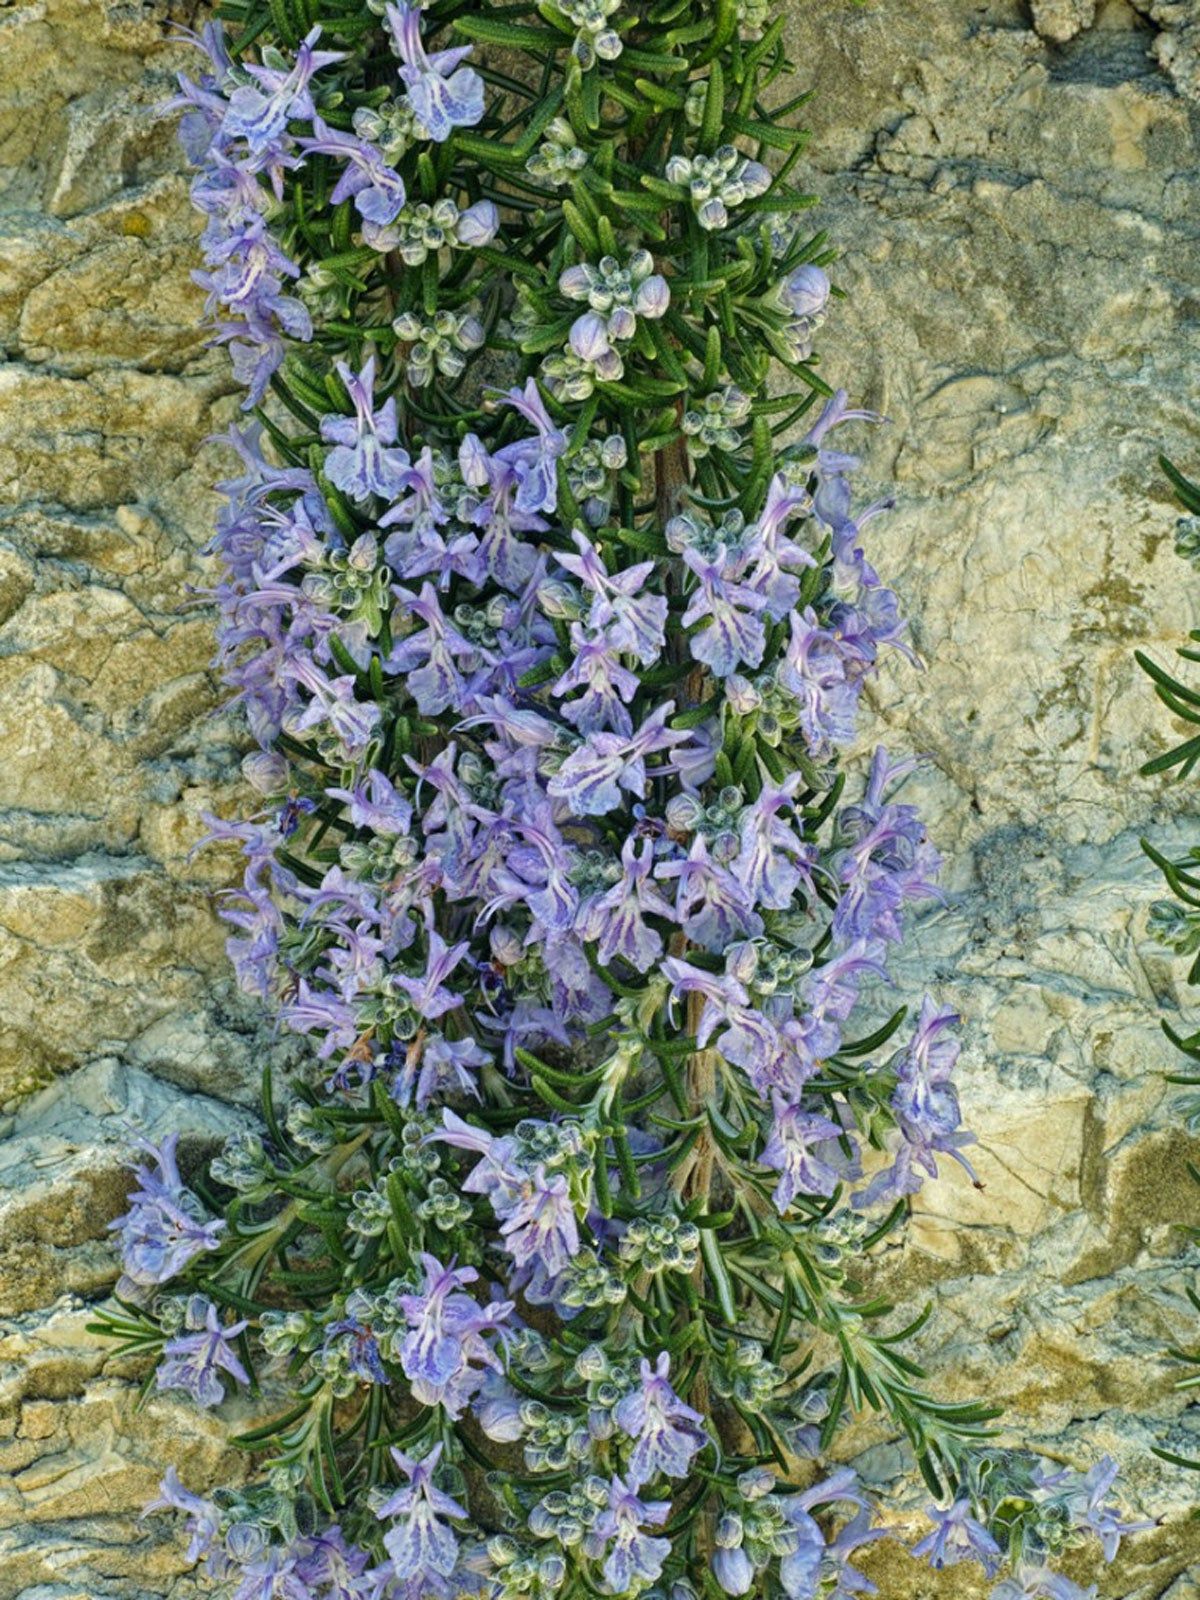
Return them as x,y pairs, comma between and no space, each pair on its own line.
550,617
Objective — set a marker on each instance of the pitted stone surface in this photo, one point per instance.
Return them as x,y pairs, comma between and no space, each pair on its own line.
1015,190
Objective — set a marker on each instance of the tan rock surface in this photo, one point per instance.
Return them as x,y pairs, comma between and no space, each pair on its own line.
1016,192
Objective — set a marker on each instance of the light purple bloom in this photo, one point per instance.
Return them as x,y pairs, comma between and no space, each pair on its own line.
260,115
359,1348
634,1559
773,860
616,918
1040,1583
608,685
926,1107
799,1148
335,705
192,1361
165,1225
419,1541
445,1354
364,461
1085,1498
478,224
805,291
733,1569
958,1536
432,656
377,190
711,905
204,1520
630,620
816,669
427,994
734,635
376,803
435,1067
532,461
667,1433
443,94
590,780
534,1207
800,1567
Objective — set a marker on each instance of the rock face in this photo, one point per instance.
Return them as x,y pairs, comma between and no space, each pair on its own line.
1015,192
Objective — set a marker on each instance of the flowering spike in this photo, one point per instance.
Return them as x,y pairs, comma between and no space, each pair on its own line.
551,641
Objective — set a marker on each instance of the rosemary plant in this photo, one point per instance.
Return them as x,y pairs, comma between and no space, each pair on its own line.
549,610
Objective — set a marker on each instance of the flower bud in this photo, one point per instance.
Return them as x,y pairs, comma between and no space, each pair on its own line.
505,945
733,1570
729,1531
741,961
478,224
653,297
589,337
265,771
805,291
741,694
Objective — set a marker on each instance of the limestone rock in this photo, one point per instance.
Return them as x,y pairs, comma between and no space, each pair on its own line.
1061,20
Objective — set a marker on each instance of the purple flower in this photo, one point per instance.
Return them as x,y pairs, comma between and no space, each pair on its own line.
334,1568
667,1433
359,1347
589,342
165,1225
609,685
376,803
478,225
334,704
442,94
191,1361
204,1520
427,994
590,780
800,1566
711,904
631,621
634,1559
430,658
926,1108
957,1536
433,1067
815,669
733,1569
260,115
799,1148
377,190
735,634
1084,1497
533,1206
496,1407
805,291
363,461
532,461
419,1542
773,860
1039,1583
444,1355
616,918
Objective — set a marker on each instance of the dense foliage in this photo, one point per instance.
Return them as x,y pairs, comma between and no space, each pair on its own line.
550,612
